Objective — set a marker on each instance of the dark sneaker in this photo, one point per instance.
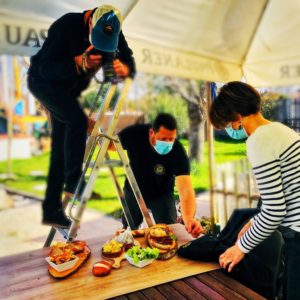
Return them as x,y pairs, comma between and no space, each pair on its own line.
56,219
95,196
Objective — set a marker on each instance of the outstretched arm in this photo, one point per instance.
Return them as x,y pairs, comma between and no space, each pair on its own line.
188,205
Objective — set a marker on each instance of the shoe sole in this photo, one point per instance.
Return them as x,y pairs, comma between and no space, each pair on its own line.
56,225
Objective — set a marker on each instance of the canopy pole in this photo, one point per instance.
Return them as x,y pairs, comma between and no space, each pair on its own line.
210,139
9,101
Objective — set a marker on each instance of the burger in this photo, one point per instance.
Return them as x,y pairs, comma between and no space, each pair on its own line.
161,237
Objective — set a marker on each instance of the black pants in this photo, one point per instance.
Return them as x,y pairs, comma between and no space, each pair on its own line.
163,208
69,126
259,270
291,275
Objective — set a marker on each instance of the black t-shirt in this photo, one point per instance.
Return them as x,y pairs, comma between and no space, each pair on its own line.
155,173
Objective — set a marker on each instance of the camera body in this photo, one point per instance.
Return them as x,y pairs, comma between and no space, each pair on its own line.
106,56
107,64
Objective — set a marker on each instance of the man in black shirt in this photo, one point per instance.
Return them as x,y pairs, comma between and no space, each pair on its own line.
58,73
159,161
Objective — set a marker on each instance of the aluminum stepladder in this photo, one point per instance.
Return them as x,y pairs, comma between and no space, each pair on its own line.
95,154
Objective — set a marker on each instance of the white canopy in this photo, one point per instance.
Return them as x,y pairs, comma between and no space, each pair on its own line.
219,40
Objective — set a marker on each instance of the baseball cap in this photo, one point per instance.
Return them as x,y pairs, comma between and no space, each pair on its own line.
106,26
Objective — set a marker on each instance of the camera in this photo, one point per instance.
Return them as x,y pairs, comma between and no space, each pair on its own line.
107,64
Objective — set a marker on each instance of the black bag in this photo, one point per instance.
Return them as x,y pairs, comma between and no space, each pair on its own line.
259,270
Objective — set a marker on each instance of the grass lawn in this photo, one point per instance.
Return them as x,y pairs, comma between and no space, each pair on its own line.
31,174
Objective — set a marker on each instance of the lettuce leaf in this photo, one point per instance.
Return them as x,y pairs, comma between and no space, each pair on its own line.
140,254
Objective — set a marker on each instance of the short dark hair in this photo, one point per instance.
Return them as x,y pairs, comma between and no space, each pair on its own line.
234,98
166,120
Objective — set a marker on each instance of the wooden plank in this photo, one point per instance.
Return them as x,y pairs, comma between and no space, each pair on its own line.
136,296
153,293
235,285
203,289
26,275
170,293
119,298
219,287
186,290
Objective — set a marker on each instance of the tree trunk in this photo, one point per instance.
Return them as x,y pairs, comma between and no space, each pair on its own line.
195,132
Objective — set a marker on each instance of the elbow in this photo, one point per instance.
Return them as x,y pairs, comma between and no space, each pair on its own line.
43,70
284,213
132,70
281,217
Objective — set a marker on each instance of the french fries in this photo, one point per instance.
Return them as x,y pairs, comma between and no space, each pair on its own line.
64,252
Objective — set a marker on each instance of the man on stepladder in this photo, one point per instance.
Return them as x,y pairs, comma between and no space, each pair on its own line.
159,162
76,47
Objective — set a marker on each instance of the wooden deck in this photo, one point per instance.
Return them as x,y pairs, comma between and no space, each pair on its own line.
25,276
213,285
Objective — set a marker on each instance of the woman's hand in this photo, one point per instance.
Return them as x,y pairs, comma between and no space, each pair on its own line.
231,257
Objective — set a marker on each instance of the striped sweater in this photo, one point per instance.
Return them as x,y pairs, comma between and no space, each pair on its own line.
274,152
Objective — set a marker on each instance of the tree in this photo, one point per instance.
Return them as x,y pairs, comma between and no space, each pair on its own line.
271,105
193,92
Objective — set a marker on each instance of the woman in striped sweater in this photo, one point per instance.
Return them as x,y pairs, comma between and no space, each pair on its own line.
274,152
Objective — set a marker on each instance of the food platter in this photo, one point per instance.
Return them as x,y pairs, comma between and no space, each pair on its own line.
65,259
158,242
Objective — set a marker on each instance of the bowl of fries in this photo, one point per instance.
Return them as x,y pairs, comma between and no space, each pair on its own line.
62,258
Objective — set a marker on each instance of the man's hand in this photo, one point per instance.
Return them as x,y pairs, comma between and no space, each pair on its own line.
244,229
87,61
231,257
91,124
194,227
120,69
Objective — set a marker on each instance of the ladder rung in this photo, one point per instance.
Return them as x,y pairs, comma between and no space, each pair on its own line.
108,163
112,163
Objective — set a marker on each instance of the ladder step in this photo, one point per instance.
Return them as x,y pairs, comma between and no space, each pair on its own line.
108,163
112,163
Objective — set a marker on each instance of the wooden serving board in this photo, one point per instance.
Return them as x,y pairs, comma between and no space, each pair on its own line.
25,276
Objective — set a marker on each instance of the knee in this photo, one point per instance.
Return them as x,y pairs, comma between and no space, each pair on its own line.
79,121
83,122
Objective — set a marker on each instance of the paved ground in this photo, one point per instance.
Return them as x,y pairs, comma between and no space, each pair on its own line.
21,229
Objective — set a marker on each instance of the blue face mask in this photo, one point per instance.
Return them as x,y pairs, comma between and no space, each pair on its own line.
238,134
162,147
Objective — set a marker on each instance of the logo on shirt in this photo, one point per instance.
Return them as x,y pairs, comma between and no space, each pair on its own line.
159,169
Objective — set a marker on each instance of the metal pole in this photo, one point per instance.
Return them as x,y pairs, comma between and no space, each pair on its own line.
121,196
210,139
133,183
9,101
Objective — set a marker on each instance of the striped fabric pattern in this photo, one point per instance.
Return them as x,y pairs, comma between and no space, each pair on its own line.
277,175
